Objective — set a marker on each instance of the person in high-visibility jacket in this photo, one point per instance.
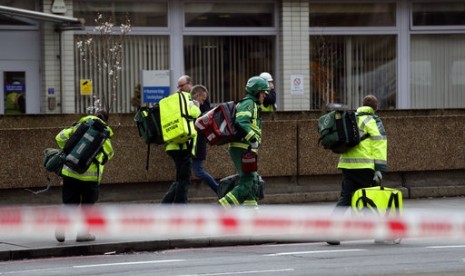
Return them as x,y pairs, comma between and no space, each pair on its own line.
269,103
249,122
363,165
182,153
83,188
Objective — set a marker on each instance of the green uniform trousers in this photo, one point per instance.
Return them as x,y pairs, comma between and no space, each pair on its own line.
246,190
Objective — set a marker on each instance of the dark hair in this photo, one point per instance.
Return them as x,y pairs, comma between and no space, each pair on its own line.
370,101
103,115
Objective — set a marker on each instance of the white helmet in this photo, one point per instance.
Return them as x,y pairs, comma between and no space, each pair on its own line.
266,76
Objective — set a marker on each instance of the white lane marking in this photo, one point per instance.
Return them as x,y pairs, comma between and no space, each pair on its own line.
314,252
128,263
23,272
445,246
241,272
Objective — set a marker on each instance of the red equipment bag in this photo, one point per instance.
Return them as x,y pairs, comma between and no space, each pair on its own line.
249,161
218,124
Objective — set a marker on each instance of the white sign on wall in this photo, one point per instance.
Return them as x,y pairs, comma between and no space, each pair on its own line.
155,85
58,6
297,84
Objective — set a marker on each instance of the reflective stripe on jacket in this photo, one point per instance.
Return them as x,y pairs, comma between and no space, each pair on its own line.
247,118
371,153
95,171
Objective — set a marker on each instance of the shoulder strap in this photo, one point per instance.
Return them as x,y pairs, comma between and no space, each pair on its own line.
148,157
367,203
393,203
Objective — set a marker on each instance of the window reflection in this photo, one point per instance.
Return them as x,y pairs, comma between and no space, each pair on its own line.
438,14
343,69
224,64
352,15
142,13
228,15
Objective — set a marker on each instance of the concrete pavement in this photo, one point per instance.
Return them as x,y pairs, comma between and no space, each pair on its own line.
27,248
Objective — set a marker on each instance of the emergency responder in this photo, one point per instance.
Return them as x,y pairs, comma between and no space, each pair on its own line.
182,153
363,165
249,122
83,188
269,104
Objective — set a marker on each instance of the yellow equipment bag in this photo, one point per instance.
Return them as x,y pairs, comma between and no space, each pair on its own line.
379,200
176,124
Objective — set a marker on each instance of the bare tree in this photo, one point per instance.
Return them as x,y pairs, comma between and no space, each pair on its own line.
322,64
104,51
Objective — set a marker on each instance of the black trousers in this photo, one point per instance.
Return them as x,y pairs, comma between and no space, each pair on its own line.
354,179
79,192
178,191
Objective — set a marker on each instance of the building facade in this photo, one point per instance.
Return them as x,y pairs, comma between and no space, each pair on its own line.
409,53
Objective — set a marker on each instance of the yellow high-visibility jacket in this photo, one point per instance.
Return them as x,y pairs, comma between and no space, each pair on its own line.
95,171
371,153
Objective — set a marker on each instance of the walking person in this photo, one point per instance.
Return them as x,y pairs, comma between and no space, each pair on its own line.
363,165
249,122
82,189
182,153
200,94
269,103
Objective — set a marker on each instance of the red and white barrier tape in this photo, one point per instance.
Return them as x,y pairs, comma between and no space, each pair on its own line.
283,222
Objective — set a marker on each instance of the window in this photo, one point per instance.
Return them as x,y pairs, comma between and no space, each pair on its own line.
224,63
248,14
438,14
141,53
437,70
352,15
344,69
141,13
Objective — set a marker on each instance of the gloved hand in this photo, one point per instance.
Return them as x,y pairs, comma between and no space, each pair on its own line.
194,102
378,177
255,145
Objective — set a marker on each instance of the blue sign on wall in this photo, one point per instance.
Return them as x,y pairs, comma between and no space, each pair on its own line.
15,87
154,94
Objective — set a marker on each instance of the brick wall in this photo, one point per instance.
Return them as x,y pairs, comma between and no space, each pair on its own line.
419,141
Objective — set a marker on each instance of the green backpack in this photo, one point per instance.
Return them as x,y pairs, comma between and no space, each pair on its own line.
148,124
84,145
339,131
54,160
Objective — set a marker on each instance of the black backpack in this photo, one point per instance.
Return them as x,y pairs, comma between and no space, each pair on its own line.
149,126
339,131
84,144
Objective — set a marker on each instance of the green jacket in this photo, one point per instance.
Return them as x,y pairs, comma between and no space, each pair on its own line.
371,153
249,122
95,171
